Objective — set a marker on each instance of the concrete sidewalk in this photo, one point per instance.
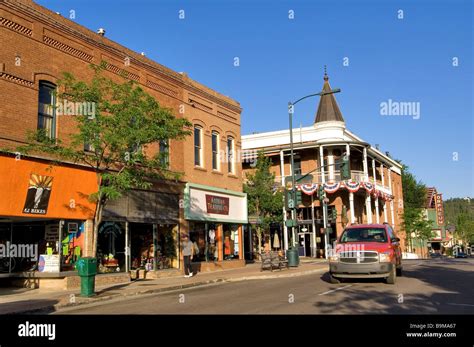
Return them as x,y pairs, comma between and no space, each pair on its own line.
26,301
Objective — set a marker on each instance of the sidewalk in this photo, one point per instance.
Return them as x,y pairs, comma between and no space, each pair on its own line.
25,301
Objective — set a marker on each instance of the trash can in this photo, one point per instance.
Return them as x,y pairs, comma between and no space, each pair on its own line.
87,269
293,257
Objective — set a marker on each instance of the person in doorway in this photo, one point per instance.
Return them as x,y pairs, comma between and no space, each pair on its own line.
188,251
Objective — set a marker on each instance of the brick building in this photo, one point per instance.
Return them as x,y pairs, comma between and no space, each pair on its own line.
373,195
38,45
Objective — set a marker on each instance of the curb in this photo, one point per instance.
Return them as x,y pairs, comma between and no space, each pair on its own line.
92,300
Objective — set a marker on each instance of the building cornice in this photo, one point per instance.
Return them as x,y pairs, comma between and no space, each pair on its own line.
84,34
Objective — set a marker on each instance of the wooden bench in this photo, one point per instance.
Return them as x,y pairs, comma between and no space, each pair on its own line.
273,260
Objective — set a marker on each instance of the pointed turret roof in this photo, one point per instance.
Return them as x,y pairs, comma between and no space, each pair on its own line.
328,110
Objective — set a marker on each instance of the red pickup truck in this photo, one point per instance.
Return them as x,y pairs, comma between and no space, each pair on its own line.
366,251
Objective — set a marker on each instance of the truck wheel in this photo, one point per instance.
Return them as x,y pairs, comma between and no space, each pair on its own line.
393,275
333,279
399,271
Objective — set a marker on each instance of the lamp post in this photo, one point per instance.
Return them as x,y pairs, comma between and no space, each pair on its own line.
293,179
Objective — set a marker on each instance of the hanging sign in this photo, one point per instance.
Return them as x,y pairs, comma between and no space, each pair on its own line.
439,209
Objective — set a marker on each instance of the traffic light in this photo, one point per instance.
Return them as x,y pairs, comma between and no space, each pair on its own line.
334,213
345,168
321,193
289,199
299,198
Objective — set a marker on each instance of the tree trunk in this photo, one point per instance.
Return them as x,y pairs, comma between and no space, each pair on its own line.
97,220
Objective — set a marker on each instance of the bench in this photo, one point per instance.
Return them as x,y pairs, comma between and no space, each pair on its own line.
273,260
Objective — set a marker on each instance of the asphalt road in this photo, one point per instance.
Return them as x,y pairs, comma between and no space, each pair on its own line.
436,286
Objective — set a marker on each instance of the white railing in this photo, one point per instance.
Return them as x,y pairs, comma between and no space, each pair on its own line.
358,176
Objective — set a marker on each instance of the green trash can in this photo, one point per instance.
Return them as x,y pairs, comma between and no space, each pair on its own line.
293,257
87,269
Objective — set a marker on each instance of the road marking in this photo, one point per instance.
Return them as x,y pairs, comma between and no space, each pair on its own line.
460,304
331,291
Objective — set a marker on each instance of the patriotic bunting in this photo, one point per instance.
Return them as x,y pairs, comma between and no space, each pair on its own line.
352,186
309,188
332,187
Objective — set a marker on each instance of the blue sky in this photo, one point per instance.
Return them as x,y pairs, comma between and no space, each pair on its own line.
282,59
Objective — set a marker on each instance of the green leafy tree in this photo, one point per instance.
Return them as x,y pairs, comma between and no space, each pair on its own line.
460,213
127,120
264,201
415,223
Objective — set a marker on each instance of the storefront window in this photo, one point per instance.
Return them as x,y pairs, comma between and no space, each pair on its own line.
111,247
231,241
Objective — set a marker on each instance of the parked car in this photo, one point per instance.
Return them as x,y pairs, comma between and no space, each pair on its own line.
460,255
366,251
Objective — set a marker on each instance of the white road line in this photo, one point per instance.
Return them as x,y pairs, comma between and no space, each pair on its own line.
460,304
331,291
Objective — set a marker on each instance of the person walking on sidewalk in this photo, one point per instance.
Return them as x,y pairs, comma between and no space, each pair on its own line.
188,251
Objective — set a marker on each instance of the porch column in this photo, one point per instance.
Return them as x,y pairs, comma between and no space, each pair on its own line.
351,206
389,172
368,202
331,166
314,249
385,202
282,173
377,218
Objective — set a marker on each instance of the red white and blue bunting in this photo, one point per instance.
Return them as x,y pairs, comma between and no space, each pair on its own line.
352,186
332,187
309,188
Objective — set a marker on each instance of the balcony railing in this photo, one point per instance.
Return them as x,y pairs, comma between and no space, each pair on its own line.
335,176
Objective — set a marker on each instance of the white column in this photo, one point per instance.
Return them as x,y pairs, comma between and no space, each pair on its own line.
314,249
391,192
385,219
282,173
331,165
368,201
377,218
351,206
321,163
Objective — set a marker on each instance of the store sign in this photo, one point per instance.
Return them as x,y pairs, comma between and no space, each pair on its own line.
439,209
48,263
217,204
39,191
210,204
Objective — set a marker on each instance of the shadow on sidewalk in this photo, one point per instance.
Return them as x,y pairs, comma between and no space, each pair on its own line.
43,306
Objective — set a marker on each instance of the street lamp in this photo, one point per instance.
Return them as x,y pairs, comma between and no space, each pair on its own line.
291,106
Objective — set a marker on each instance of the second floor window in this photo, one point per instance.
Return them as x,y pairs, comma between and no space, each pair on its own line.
197,146
297,161
165,153
230,154
215,150
46,109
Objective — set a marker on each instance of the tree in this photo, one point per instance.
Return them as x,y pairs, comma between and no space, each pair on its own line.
414,200
126,121
264,201
460,213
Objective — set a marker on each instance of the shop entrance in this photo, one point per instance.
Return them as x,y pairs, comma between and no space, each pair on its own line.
111,247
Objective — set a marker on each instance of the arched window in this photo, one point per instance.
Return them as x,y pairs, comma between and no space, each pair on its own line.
46,109
230,154
215,151
198,146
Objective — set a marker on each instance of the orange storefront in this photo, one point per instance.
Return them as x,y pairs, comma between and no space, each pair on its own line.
44,209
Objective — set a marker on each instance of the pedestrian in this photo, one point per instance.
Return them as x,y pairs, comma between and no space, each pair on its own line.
188,251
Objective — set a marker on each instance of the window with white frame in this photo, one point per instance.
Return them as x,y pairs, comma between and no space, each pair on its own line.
215,151
230,154
198,146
